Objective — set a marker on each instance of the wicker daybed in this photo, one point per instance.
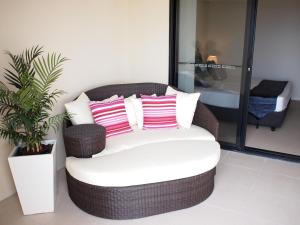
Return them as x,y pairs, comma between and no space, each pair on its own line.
140,199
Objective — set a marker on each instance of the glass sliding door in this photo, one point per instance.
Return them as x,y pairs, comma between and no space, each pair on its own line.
210,41
274,108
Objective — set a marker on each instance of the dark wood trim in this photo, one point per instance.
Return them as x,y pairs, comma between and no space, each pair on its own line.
229,146
173,51
272,154
261,152
248,52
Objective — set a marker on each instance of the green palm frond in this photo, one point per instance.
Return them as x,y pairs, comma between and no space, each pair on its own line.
3,86
22,73
8,131
54,122
6,101
48,69
31,54
25,111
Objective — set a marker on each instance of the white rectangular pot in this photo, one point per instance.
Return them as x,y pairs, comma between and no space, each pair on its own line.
35,180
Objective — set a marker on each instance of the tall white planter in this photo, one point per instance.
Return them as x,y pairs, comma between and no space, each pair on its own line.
35,180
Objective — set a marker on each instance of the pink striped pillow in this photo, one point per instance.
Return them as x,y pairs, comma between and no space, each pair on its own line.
112,115
159,112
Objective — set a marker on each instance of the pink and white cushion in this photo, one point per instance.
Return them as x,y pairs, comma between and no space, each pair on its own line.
111,115
159,112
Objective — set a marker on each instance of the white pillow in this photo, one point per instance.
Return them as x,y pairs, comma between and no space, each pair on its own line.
134,110
80,109
130,110
185,106
139,113
110,99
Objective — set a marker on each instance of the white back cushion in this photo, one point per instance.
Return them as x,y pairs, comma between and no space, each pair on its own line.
80,110
134,109
131,110
185,106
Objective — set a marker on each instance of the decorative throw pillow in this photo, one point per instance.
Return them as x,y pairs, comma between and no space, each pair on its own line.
111,115
186,106
110,99
138,109
159,112
130,110
134,110
139,113
79,110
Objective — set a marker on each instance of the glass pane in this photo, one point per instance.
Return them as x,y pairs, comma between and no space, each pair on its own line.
210,55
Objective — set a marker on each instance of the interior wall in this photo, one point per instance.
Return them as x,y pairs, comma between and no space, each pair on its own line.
148,43
220,30
277,45
7,187
107,42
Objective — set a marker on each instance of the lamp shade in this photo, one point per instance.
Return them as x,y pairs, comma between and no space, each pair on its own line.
212,58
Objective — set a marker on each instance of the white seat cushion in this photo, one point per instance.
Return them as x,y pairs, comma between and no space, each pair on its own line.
151,163
142,137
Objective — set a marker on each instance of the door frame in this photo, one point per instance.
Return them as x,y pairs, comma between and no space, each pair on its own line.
173,42
248,51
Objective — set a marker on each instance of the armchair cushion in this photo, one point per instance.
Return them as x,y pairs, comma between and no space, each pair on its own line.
79,110
185,106
147,164
143,137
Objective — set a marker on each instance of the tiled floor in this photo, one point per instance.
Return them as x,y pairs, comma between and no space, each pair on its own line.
264,138
249,190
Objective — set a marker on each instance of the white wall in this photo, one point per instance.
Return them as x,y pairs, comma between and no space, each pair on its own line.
220,29
107,41
148,43
277,43
7,187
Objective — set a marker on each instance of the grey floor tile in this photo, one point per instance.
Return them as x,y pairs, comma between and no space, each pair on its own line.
272,208
249,161
239,176
286,168
249,190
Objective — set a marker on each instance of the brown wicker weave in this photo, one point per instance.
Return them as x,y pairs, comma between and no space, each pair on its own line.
141,200
81,146
127,90
85,140
203,117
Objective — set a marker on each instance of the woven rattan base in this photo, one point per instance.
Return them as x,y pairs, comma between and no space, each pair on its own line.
141,200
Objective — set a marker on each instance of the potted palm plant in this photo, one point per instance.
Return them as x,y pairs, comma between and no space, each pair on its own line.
25,113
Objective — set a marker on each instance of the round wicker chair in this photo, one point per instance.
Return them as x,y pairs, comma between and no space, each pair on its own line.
82,141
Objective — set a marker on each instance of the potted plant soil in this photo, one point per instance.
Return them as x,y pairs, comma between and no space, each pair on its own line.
25,113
